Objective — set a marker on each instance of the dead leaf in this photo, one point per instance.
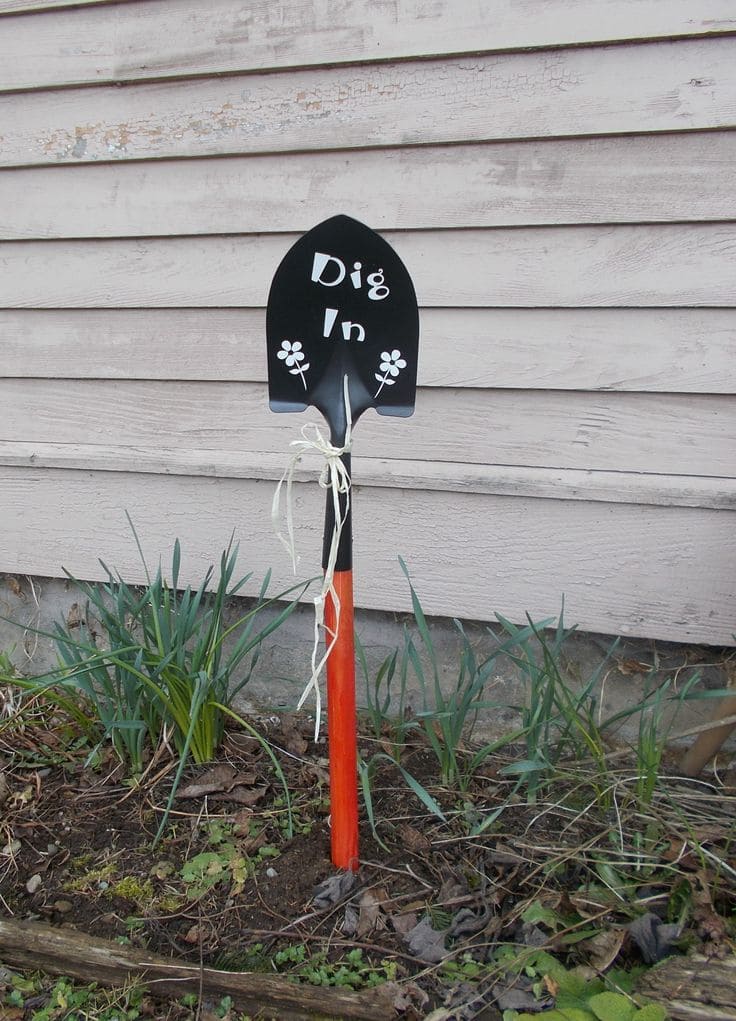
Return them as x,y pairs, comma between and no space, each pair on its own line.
294,742
14,586
350,921
426,943
633,666
406,996
414,840
245,745
251,844
241,822
224,783
4,789
532,936
517,994
550,985
404,922
711,927
74,616
320,773
333,889
248,796
653,937
371,914
219,778
193,934
601,950
467,922
450,890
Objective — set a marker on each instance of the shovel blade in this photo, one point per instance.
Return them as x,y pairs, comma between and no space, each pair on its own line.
342,303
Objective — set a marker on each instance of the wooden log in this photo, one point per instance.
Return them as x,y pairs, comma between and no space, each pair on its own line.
694,988
63,951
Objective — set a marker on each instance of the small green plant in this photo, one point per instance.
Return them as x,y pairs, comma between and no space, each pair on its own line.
556,721
130,888
448,719
168,659
69,999
561,723
387,708
577,997
351,972
224,863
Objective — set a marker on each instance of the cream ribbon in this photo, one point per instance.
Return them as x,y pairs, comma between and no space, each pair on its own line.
334,476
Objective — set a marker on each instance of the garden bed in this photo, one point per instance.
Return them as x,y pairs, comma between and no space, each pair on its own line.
506,903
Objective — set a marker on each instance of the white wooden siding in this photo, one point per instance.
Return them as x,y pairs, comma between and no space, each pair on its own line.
558,429
668,86
556,174
645,350
222,36
644,265
625,568
661,178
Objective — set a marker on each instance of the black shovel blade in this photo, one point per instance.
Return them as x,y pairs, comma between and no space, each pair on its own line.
342,303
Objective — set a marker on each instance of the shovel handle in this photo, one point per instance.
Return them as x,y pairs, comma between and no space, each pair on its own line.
342,727
344,560
341,716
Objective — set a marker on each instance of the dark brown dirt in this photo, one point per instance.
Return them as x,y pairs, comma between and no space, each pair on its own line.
78,851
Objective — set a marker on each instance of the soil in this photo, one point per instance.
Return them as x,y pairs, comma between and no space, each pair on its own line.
227,886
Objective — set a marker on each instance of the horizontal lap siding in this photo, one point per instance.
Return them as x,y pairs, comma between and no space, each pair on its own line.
223,36
591,552
570,181
544,428
646,350
711,492
658,87
567,213
644,265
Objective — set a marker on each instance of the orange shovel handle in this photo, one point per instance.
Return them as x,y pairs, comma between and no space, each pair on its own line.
342,726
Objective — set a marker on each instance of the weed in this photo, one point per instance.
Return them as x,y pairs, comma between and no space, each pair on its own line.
387,709
351,972
225,863
68,999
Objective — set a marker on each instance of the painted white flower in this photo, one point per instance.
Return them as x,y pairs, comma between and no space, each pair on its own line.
292,354
391,365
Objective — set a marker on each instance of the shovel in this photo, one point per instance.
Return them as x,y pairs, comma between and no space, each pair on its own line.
342,329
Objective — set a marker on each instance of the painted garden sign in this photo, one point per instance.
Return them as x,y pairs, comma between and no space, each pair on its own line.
342,331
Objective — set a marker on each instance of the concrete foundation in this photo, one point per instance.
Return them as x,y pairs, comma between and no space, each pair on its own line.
34,604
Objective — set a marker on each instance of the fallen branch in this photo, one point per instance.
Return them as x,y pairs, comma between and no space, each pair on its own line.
65,951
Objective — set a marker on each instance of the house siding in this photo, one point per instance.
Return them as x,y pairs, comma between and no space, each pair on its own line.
556,175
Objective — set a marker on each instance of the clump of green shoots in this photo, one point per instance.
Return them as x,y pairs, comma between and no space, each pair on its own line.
160,660
561,726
